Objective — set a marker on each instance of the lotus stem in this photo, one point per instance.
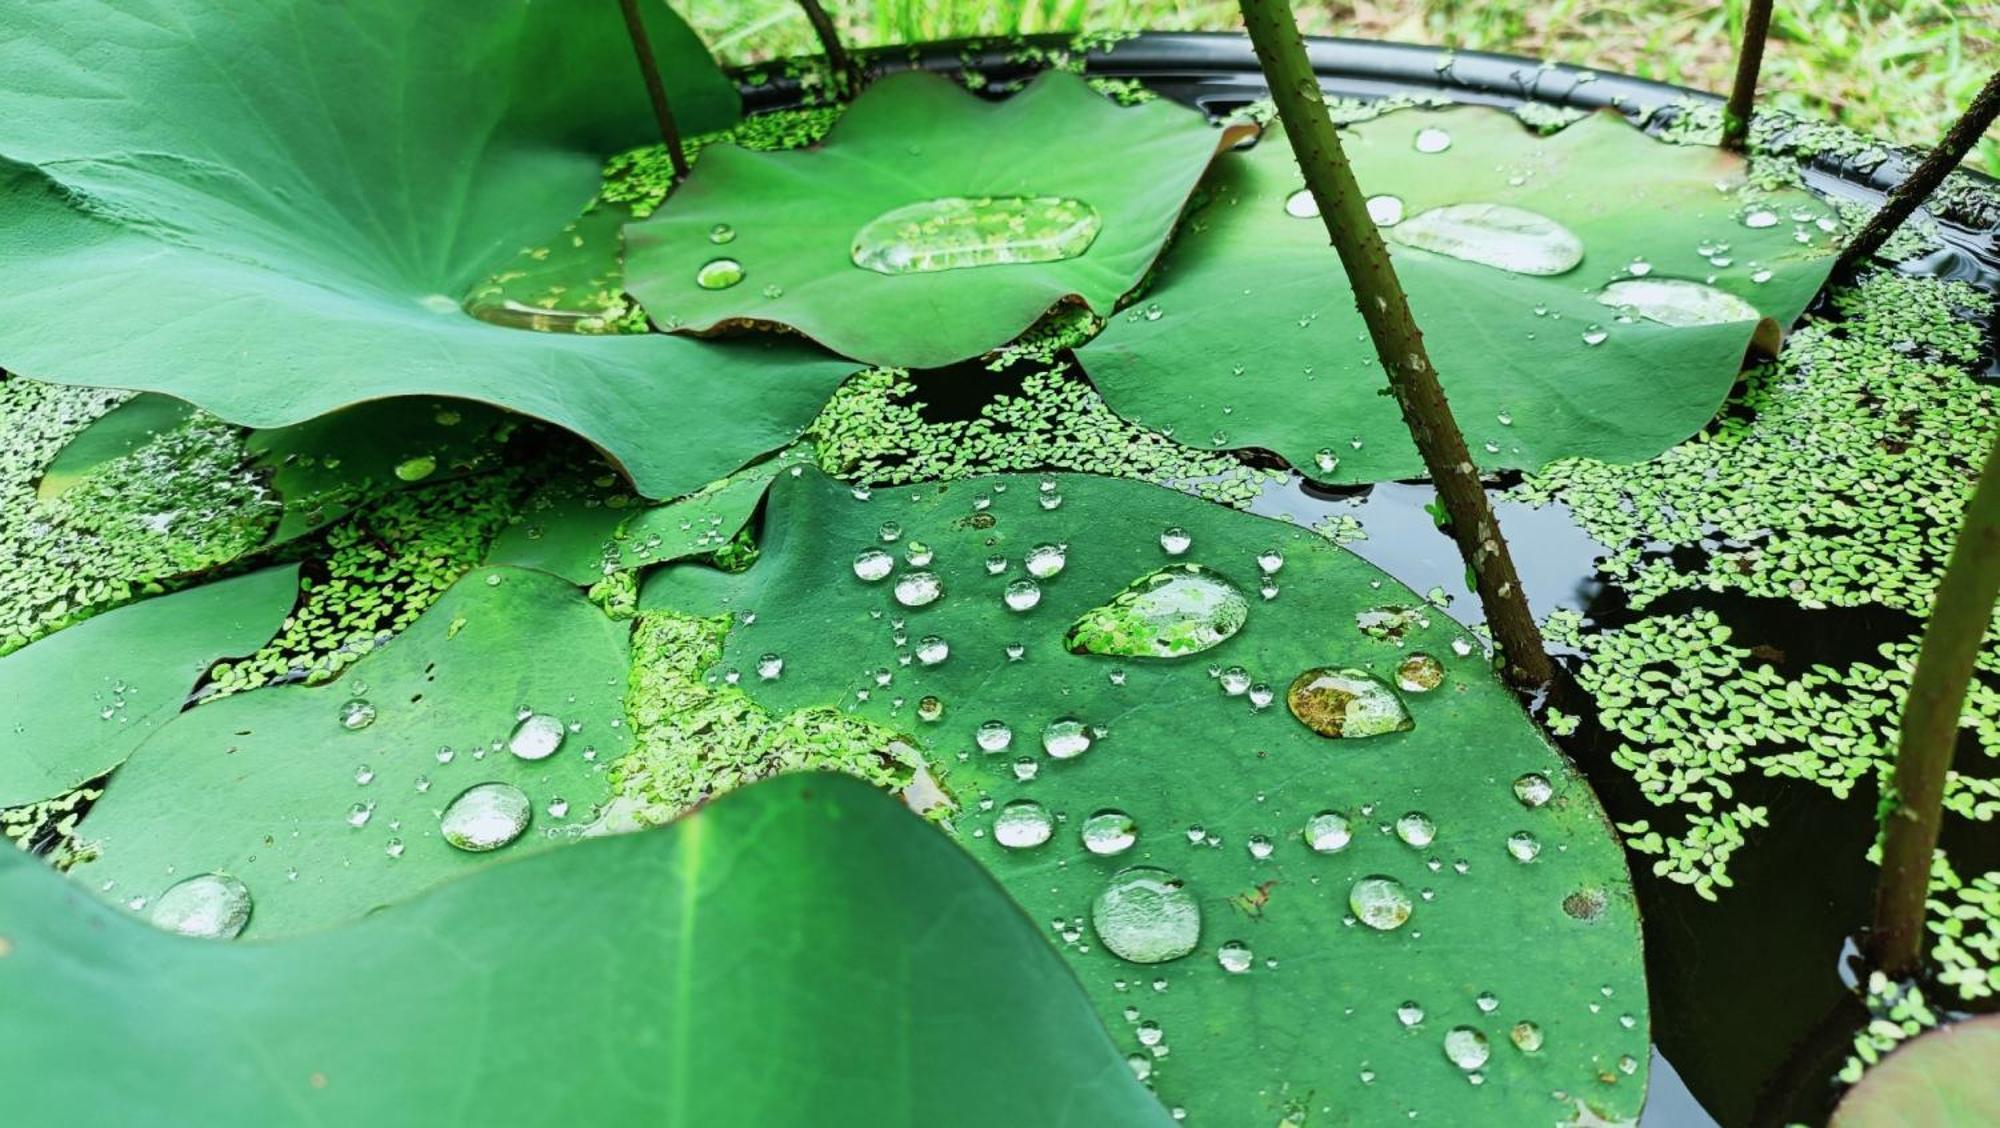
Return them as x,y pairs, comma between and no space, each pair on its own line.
845,73
1959,616
1398,341
670,135
1743,96
1917,187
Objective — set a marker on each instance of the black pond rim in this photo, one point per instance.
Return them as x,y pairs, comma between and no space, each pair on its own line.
1218,73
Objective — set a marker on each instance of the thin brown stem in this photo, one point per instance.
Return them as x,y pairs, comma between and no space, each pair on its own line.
845,72
1398,342
1917,187
1959,617
655,89
1750,60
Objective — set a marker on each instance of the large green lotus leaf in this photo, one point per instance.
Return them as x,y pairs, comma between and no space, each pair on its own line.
327,816
75,704
1942,1079
274,212
1221,793
797,218
1251,337
801,952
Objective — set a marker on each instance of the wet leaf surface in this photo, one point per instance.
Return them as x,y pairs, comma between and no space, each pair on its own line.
1943,1079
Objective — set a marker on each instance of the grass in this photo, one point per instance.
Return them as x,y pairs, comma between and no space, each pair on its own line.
1900,69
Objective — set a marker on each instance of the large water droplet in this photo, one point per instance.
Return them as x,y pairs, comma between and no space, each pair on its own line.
1416,829
1466,1047
1347,703
485,816
993,736
1380,902
932,650
537,737
953,232
1022,595
1065,739
1234,956
1328,832
1533,789
1302,205
1178,610
1175,540
1045,560
873,564
1147,916
212,906
719,274
1496,235
1675,301
1021,824
356,714
1431,139
1419,673
1522,846
916,589
1109,832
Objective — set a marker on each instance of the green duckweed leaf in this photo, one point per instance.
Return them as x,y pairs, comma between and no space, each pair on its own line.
1077,196
1221,794
1251,337
805,924
76,704
278,213
1942,1079
293,780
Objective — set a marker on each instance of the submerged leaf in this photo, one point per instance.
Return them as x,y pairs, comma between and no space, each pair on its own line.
1516,252
931,225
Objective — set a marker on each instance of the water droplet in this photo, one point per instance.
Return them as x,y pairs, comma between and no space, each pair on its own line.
1526,1036
1674,301
1595,335
916,589
1419,673
1496,235
1234,956
1045,560
1431,139
1142,1066
770,667
1261,696
416,469
1178,610
359,814
1326,460
1523,846
1386,211
1416,829
1487,1002
1175,540
1328,832
873,564
1109,832
537,737
212,906
954,232
1410,1013
485,816
364,775
558,808
356,714
1269,561
719,274
1065,739
1380,902
1302,205
1466,1047
931,650
993,736
721,233
1021,824
1533,789
1147,916
1347,703
917,554
889,531
1022,595
930,708
1760,217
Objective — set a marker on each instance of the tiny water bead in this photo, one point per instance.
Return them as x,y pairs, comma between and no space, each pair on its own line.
1676,302
719,274
1487,1002
356,714
993,736
1380,902
1595,335
1431,139
1533,789
1147,916
1419,673
537,737
1109,832
1346,703
1045,560
1260,846
955,232
873,565
1022,595
930,708
1234,956
721,233
1326,460
890,532
1022,824
1497,235
1065,739
918,589
1522,846
1466,1047
485,816
1416,829
1410,1013
1235,681
1172,612
212,906
1328,832
1526,1036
